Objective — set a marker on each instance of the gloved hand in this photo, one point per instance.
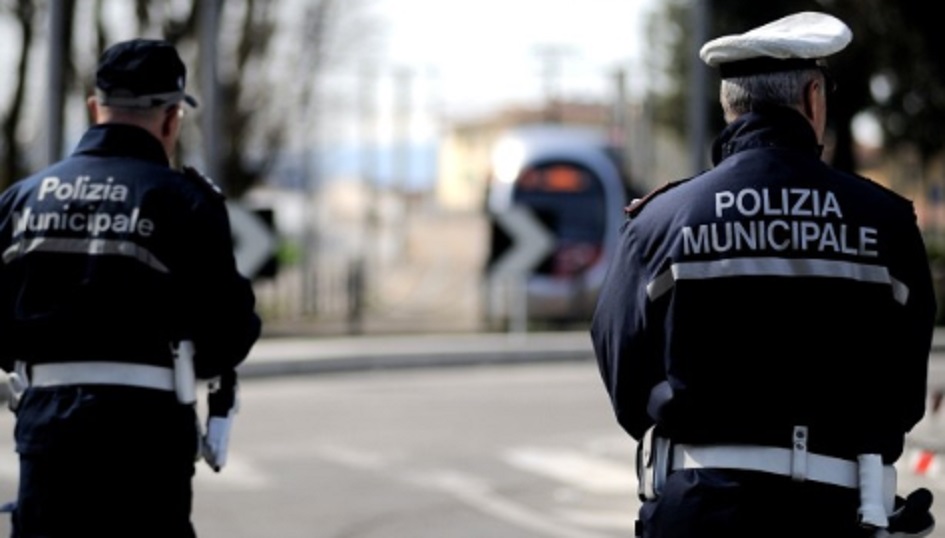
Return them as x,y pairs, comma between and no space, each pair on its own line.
912,517
222,404
17,385
216,441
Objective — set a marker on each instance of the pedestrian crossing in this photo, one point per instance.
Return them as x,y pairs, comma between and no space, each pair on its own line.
584,468
239,474
587,472
594,483
581,488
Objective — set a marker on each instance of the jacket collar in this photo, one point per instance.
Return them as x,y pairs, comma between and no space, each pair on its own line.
768,127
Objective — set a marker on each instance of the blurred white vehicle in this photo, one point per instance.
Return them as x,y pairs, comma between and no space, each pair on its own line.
570,178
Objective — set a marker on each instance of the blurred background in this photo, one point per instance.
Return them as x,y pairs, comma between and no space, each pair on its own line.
365,137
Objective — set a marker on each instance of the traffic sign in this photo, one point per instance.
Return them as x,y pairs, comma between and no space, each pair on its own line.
254,241
530,242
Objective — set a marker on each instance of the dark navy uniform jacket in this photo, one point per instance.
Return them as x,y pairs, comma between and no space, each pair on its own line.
768,292
111,255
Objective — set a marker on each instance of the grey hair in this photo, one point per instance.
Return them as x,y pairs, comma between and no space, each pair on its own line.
134,115
741,95
136,112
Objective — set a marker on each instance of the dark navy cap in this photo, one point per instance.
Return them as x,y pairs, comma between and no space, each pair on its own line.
141,73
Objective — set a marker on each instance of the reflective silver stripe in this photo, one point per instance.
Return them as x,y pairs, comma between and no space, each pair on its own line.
661,284
102,373
786,267
84,246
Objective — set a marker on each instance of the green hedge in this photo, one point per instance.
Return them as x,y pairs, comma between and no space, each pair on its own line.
936,252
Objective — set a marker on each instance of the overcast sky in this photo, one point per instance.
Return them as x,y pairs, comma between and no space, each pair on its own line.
486,53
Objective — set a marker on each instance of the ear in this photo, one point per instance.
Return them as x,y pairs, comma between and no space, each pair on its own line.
91,104
170,123
811,94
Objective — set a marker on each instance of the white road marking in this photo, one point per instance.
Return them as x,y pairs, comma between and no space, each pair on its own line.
238,474
587,472
468,490
620,520
478,495
9,467
349,457
622,445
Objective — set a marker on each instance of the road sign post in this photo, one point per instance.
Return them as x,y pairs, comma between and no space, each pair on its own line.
529,243
254,242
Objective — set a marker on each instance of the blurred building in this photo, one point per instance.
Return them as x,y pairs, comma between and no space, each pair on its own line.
648,158
466,148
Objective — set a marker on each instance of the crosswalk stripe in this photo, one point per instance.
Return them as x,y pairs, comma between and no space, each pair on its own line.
588,472
477,494
238,474
9,468
622,520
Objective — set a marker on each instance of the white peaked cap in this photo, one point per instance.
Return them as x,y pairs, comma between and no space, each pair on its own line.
807,35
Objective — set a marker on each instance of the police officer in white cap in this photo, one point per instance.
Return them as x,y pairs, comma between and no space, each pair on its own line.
765,327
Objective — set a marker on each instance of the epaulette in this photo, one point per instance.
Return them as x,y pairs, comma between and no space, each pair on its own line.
637,204
195,175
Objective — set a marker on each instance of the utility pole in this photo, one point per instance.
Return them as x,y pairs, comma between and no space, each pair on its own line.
210,87
368,163
311,171
551,58
619,127
403,81
700,15
58,52
358,279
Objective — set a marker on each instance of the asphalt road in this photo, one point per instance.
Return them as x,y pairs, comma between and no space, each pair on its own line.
523,451
516,439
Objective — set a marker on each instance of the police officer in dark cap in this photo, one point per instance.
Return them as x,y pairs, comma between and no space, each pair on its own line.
764,329
111,260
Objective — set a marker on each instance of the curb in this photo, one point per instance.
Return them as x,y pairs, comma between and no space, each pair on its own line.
294,356
275,357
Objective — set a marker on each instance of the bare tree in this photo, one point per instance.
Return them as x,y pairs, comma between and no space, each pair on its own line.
259,104
23,13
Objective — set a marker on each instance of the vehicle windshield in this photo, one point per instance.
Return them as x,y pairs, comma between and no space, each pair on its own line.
569,200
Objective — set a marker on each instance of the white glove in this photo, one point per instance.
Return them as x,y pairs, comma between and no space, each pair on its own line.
17,385
216,442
